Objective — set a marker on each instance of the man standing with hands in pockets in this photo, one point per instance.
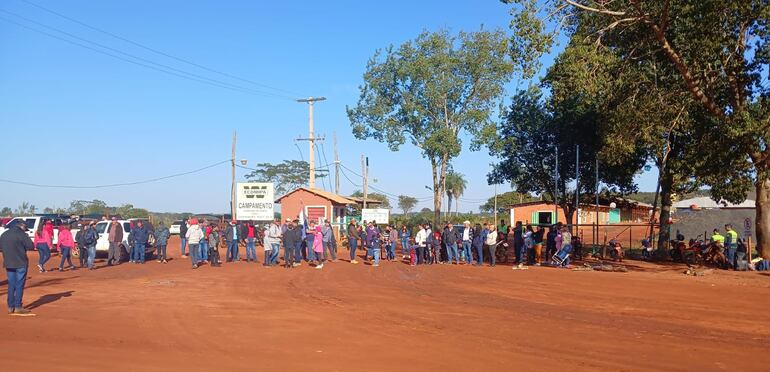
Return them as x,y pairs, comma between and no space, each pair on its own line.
14,244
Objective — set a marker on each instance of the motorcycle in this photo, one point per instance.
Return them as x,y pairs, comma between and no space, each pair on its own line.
616,250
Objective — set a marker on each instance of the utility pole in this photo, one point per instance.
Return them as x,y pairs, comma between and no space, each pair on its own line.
364,169
232,180
336,166
577,190
311,137
556,189
495,220
596,239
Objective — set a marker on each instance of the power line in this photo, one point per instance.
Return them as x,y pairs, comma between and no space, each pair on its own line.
144,62
115,184
158,51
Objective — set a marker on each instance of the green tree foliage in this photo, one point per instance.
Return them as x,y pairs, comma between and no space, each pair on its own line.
407,203
287,176
429,90
719,53
25,208
6,211
527,141
505,200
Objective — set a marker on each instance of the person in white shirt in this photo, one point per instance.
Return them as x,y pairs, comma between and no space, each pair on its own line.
491,244
467,237
420,239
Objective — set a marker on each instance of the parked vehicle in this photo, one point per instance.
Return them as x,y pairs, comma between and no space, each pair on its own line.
175,227
103,244
33,222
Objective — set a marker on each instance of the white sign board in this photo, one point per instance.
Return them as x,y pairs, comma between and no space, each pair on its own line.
380,215
254,201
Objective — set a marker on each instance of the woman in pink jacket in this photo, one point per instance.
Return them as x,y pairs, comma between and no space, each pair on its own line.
43,245
66,243
318,244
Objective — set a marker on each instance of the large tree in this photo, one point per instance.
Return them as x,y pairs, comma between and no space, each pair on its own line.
719,51
430,90
287,175
407,203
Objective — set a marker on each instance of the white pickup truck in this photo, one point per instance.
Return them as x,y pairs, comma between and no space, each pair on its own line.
32,223
103,244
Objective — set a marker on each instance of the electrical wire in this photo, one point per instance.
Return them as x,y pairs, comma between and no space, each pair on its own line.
156,51
114,184
143,62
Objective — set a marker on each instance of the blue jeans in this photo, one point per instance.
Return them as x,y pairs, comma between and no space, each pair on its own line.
274,253
194,250
204,250
183,244
730,253
16,279
451,252
66,255
390,251
374,251
467,251
405,247
44,251
232,250
138,252
298,252
251,250
353,243
310,252
91,256
480,253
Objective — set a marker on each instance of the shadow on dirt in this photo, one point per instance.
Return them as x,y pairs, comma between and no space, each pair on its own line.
47,299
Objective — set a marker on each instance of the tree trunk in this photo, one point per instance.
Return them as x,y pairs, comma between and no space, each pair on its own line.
569,211
762,223
436,192
664,234
448,207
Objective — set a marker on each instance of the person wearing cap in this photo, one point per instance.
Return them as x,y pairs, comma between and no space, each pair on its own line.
14,244
114,237
194,237
449,237
231,237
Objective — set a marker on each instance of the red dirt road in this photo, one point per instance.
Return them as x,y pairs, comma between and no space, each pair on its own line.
156,317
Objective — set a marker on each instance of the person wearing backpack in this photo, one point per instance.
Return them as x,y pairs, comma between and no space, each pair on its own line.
89,240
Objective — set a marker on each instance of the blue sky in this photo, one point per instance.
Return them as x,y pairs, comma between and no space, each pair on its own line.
72,116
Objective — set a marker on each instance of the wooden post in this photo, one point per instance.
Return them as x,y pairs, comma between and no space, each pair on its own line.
748,248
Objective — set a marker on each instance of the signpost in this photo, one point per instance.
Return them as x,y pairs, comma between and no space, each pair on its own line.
254,201
378,215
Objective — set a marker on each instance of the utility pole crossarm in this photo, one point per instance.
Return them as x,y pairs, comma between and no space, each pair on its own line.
311,137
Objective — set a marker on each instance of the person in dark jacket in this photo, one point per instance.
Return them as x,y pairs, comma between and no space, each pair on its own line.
14,245
291,240
450,238
90,237
353,238
140,235
478,244
82,250
161,240
232,236
183,236
518,243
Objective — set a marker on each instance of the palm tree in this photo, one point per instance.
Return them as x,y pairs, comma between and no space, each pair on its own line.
455,187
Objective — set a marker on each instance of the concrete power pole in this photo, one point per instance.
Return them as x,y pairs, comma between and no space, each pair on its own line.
311,138
364,171
336,166
232,180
